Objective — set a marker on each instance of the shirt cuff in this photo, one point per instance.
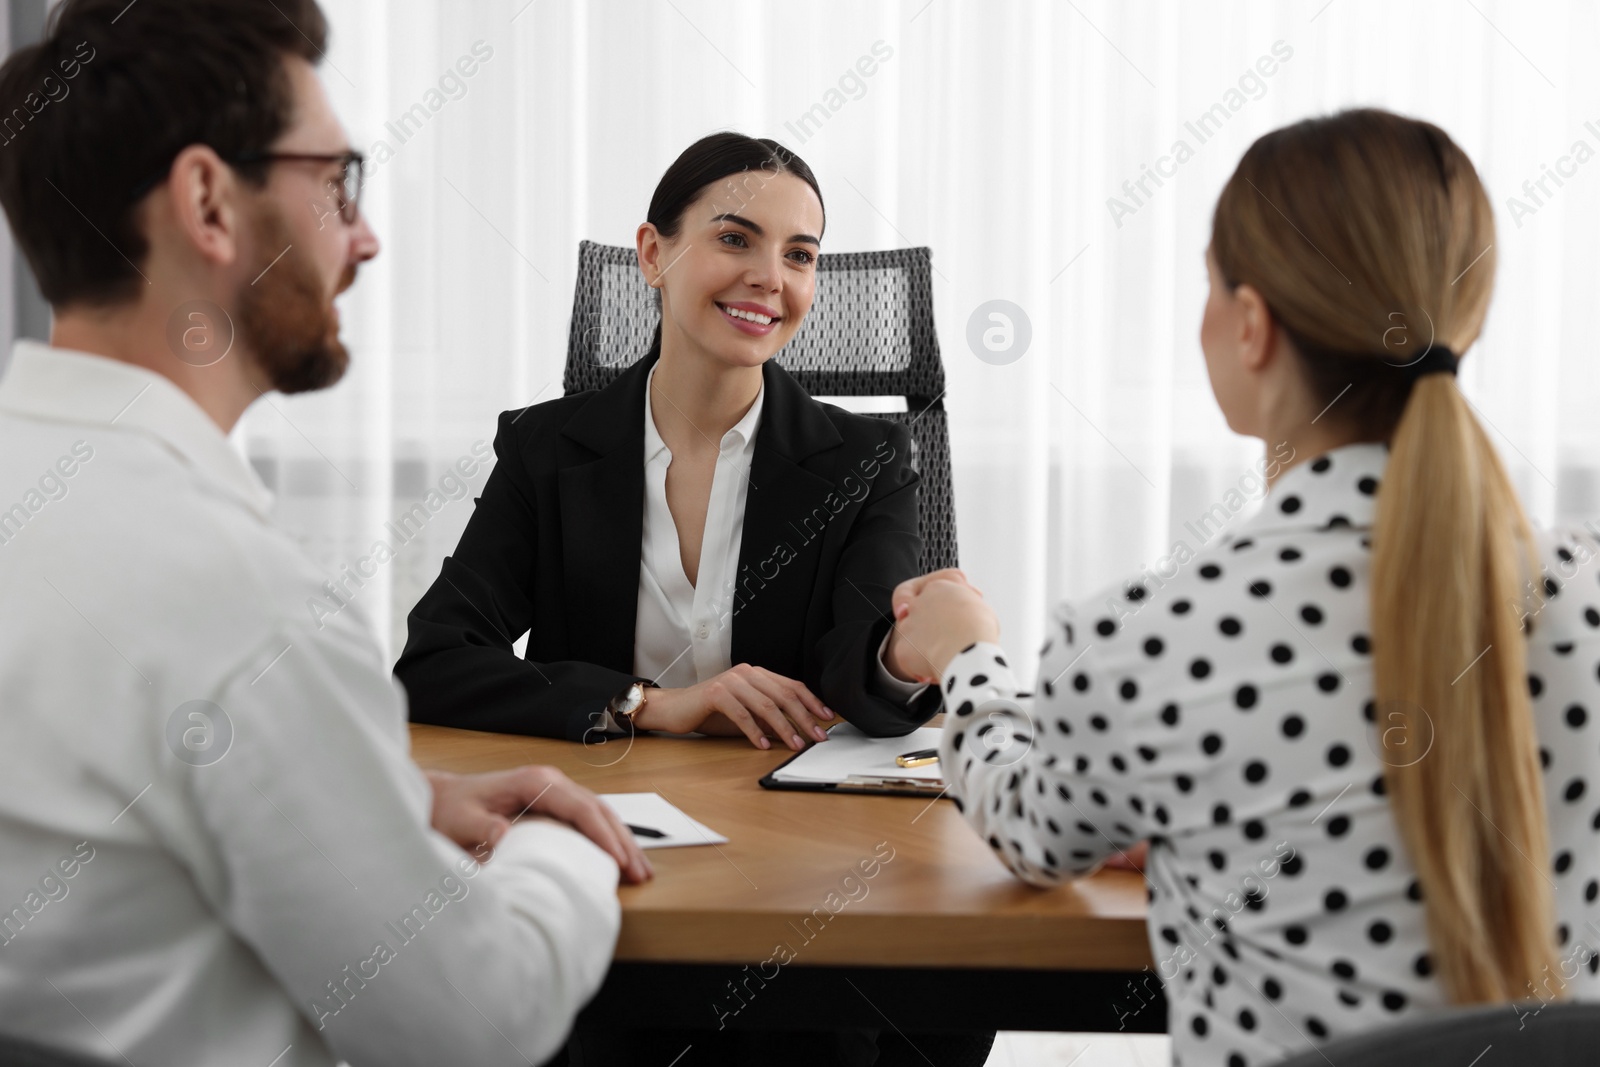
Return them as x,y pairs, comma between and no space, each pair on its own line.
983,666
890,686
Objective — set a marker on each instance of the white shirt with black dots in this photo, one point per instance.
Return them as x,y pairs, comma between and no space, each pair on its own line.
1226,714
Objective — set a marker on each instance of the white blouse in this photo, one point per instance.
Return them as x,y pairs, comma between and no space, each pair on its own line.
682,632
1225,713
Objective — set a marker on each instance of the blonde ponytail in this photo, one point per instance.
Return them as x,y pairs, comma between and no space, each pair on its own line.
1451,555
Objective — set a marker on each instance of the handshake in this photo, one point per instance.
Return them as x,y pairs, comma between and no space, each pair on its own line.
936,616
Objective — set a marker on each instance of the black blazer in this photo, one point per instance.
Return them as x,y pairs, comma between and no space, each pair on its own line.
553,548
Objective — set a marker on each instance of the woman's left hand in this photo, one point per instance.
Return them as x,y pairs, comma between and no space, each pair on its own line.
936,616
1132,859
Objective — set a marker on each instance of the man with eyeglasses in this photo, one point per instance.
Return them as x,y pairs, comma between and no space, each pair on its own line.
216,849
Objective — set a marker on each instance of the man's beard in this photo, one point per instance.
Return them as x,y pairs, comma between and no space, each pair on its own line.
285,319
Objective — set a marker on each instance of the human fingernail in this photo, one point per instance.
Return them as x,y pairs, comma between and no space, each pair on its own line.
822,735
827,713
797,742
762,742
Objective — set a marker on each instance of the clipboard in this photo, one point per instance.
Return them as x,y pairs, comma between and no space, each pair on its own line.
851,762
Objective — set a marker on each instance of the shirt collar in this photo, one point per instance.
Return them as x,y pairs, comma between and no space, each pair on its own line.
1338,488
62,385
740,437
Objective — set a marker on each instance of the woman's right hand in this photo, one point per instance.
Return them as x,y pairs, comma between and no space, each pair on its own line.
935,618
754,700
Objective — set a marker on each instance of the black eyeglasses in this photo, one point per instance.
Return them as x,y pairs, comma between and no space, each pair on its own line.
347,187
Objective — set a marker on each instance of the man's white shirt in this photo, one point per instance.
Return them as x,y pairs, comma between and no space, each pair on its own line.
216,847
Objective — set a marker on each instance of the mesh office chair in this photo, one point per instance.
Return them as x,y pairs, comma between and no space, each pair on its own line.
870,333
1561,1035
19,1052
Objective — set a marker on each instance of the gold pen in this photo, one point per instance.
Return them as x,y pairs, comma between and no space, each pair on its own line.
919,758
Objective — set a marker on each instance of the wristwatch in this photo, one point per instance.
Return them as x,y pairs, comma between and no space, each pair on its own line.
625,705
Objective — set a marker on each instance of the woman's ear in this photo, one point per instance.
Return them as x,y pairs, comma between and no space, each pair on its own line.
648,243
1256,328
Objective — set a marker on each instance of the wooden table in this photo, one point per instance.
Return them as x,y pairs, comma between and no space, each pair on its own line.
895,894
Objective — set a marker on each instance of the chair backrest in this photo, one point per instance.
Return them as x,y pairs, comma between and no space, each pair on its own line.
1559,1035
870,333
19,1052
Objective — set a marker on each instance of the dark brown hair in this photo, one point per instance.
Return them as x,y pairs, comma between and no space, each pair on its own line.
92,116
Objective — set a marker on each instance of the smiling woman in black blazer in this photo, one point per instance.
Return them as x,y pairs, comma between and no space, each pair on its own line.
606,507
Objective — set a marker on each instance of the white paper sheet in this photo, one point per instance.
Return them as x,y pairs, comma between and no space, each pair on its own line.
653,810
848,754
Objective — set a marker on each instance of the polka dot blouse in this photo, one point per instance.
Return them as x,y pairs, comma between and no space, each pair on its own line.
1225,713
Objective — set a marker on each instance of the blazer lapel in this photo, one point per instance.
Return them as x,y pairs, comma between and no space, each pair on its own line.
779,552
602,520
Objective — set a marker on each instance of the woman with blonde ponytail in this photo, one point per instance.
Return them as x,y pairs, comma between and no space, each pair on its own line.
1356,732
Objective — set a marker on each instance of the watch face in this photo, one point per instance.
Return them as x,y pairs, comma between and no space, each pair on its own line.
630,701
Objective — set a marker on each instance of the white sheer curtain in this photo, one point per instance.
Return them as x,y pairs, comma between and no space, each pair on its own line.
994,133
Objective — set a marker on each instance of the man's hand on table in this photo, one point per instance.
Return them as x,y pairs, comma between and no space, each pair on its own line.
476,809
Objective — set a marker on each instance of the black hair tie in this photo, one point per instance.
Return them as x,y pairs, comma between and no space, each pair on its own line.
1434,360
